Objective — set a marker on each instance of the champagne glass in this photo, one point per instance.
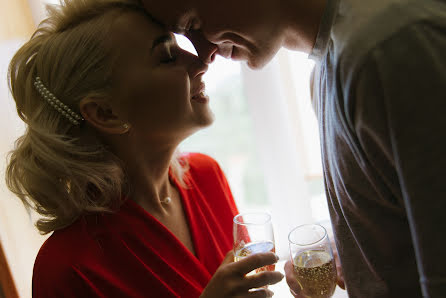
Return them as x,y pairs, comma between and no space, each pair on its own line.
253,233
313,260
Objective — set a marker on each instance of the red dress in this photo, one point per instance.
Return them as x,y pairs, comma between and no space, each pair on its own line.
131,254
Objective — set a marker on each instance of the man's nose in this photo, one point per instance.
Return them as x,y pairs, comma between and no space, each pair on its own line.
206,50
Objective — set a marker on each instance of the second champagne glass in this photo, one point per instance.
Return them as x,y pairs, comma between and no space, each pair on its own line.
313,261
253,233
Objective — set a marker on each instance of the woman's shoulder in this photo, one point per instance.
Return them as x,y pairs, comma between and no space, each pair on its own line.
201,166
64,250
54,262
64,258
205,173
199,160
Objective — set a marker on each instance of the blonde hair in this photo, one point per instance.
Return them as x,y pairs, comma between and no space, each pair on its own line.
60,170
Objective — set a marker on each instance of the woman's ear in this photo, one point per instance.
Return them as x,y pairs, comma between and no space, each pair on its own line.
99,113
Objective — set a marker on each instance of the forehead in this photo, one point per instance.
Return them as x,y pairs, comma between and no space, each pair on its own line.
134,27
169,12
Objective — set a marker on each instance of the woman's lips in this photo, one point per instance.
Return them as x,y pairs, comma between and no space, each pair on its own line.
201,97
199,94
200,88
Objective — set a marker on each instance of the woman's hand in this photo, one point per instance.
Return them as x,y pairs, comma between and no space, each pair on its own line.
291,278
230,279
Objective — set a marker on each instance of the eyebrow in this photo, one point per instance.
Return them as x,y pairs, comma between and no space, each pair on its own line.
161,39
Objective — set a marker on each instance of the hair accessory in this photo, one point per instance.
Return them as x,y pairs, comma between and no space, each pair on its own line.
63,109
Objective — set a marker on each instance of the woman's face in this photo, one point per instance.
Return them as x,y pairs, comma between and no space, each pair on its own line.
157,86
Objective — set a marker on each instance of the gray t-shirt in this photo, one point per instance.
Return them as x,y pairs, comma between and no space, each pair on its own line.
380,98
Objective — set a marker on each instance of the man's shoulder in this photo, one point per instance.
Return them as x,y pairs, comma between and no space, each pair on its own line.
387,29
367,27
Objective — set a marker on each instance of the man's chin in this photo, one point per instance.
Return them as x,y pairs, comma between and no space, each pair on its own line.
253,62
256,63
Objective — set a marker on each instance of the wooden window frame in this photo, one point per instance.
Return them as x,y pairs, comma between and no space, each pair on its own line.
7,285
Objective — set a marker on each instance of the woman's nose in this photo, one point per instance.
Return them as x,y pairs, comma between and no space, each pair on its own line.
197,67
206,50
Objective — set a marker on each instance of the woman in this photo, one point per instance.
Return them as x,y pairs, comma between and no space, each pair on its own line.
107,96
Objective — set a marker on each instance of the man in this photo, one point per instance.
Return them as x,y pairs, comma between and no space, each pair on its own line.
380,96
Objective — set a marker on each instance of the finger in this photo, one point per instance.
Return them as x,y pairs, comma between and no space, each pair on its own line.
291,279
341,282
254,261
229,258
261,279
257,293
295,295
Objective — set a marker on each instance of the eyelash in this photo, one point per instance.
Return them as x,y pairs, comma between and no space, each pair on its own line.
169,56
171,59
194,25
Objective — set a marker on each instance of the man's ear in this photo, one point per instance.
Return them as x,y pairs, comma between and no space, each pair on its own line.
99,113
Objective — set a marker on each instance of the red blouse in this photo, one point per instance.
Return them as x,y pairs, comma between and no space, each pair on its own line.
131,254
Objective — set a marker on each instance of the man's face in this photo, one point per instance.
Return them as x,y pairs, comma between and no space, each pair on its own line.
245,30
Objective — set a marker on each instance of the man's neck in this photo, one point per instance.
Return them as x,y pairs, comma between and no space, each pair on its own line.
302,23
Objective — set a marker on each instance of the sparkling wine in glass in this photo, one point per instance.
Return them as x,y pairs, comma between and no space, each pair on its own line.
253,233
313,261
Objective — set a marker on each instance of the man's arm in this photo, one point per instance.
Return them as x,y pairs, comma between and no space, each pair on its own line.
403,82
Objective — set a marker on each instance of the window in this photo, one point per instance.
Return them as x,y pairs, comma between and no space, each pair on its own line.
266,139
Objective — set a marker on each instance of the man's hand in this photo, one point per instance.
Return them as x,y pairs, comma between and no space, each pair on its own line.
340,282
291,280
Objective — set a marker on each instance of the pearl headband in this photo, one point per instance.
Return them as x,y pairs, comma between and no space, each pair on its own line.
63,109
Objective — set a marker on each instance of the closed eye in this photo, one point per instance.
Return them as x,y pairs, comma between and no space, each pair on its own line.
168,60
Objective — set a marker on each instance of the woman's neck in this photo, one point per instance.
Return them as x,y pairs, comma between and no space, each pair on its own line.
147,168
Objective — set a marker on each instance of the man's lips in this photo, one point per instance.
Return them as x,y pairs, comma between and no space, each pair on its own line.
225,50
238,55
234,53
232,46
